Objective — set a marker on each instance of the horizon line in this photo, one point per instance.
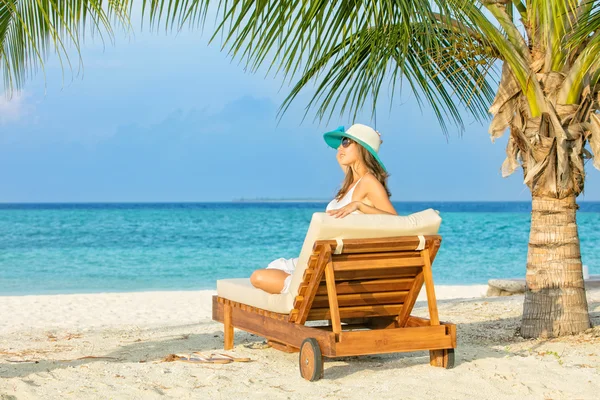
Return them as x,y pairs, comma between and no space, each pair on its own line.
257,201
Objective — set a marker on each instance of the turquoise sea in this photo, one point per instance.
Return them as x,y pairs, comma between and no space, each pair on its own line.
78,248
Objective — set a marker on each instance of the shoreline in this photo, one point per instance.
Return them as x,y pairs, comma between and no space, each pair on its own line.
238,200
198,290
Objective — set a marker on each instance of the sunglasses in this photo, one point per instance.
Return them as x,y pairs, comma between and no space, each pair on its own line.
346,142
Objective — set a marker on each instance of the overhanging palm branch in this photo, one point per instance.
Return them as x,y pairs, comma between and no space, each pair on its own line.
357,69
362,45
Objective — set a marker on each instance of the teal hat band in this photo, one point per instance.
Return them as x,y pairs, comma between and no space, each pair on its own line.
334,139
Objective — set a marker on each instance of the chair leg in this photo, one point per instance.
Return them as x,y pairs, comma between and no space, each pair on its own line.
442,358
228,327
436,358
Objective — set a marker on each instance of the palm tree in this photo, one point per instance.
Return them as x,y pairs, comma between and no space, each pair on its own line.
545,60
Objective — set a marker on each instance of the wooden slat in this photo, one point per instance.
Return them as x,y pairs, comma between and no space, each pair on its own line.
362,299
275,329
410,300
332,298
381,245
355,312
357,265
431,300
306,304
399,243
311,265
369,286
293,315
302,289
374,256
307,275
393,340
379,273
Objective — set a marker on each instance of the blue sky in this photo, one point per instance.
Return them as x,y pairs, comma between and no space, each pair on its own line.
164,117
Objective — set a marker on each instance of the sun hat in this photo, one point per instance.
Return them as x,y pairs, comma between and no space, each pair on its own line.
364,135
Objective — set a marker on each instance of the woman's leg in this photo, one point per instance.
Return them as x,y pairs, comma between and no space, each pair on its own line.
270,280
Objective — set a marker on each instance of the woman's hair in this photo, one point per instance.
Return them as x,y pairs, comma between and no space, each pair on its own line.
372,166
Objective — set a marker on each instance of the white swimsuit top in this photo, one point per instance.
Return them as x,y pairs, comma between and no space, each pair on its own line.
344,201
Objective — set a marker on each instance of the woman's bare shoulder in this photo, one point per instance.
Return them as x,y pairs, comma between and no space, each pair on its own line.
371,182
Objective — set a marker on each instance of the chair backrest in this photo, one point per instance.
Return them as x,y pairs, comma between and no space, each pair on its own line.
379,277
360,226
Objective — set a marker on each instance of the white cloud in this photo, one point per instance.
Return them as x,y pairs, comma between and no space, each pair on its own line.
14,108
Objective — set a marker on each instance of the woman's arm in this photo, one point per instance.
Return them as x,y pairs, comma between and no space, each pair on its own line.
367,209
362,207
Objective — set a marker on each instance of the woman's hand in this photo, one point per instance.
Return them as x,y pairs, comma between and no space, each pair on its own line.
346,210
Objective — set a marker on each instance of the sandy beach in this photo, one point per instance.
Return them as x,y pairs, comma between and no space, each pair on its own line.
112,345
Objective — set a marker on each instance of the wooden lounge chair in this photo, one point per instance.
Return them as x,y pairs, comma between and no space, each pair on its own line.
364,288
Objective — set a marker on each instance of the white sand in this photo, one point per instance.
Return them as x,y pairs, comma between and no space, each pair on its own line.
43,338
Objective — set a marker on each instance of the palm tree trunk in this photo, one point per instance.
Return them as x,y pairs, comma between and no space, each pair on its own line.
555,302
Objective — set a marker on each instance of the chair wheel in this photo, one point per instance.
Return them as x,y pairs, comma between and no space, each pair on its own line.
311,360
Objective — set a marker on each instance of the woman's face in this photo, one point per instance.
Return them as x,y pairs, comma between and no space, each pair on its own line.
348,155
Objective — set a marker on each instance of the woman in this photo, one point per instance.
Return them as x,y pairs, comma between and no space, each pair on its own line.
364,190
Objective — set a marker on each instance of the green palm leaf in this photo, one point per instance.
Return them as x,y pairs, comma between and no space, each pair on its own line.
358,46
357,69
31,29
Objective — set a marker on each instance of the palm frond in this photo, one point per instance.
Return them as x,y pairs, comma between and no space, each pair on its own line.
551,22
174,14
357,69
583,46
587,61
29,29
358,46
588,24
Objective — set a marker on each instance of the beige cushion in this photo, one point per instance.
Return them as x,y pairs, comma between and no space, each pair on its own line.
324,227
242,291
